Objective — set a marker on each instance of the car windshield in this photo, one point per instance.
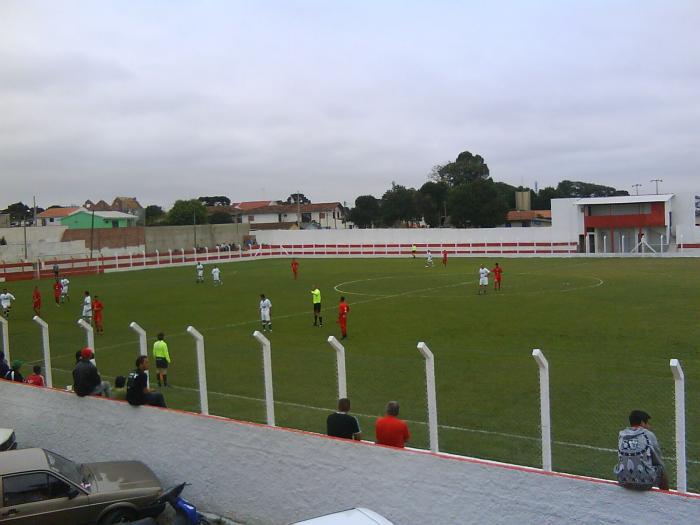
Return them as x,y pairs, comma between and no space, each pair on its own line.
68,469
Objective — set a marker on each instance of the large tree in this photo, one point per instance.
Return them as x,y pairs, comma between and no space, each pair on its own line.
220,217
478,204
154,215
187,212
298,198
466,168
578,189
399,204
432,202
366,212
216,200
20,212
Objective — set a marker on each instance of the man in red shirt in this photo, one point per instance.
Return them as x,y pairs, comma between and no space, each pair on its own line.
390,430
57,292
295,268
343,310
97,308
36,301
444,257
497,271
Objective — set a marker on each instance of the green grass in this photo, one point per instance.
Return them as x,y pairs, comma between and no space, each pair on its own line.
607,326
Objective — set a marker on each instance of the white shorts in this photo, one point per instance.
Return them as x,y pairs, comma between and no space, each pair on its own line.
483,281
200,274
265,315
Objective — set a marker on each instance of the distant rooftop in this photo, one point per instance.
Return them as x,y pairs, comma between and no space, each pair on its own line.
629,199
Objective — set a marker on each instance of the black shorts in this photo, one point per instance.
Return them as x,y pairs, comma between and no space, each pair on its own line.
161,362
317,308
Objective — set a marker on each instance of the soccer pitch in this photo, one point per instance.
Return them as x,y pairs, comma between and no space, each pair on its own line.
607,326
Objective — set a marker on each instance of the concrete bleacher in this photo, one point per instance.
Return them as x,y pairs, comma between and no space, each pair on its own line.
264,475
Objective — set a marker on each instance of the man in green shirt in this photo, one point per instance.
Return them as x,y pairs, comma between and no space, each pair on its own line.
162,357
316,297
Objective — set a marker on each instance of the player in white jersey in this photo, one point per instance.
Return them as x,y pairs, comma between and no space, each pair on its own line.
64,290
6,299
429,260
200,272
265,310
87,308
216,276
483,279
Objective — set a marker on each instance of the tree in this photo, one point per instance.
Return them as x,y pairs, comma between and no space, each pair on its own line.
20,212
366,212
432,202
543,198
187,212
218,200
220,217
154,215
578,189
399,204
478,204
466,168
298,198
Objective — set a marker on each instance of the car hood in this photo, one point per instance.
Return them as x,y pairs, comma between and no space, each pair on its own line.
111,476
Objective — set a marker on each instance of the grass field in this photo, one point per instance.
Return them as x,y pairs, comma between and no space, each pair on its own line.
607,326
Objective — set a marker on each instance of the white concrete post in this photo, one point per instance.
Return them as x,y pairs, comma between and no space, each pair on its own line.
116,259
47,349
432,399
622,244
183,254
170,254
201,370
605,244
5,339
143,252
679,380
681,243
143,346
131,260
218,252
206,253
157,258
661,249
89,335
267,369
545,417
340,359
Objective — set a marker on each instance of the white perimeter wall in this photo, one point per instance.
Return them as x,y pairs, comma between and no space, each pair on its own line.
684,219
274,476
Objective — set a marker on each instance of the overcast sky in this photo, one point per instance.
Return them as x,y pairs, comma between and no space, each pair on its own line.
255,99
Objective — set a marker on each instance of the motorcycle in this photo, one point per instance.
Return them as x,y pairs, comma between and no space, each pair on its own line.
185,512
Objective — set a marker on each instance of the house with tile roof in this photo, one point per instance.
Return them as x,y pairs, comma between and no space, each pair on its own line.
55,216
277,215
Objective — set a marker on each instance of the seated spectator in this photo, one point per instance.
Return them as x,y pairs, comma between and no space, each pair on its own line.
86,379
4,367
13,374
640,464
36,378
137,391
341,424
390,430
119,390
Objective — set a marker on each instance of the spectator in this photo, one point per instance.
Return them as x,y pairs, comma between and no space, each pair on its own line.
86,379
14,374
36,378
4,367
341,424
137,391
119,390
390,430
640,464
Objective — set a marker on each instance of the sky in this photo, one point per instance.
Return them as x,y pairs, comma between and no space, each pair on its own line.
173,99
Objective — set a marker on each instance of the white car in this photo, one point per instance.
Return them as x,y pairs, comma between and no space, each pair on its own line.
7,439
357,516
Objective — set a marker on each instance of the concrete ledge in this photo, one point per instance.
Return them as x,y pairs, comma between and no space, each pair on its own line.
265,475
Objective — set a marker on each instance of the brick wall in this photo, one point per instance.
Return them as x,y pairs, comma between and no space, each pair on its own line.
107,238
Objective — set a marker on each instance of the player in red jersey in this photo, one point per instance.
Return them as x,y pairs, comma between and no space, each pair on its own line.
343,310
97,308
36,301
497,271
57,292
295,268
444,257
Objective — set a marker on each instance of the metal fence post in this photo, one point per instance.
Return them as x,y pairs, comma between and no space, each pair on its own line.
432,399
143,348
201,370
47,349
267,369
5,339
89,334
679,380
340,359
545,416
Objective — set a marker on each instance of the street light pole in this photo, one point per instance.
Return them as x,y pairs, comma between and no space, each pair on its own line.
636,187
657,184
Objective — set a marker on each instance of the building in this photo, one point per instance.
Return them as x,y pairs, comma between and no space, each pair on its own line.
527,218
55,216
85,219
128,205
275,215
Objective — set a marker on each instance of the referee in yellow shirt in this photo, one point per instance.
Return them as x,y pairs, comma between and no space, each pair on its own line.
162,357
316,297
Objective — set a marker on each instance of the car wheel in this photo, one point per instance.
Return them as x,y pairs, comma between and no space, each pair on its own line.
118,516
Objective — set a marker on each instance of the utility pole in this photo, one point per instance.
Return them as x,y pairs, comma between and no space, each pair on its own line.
636,187
298,210
657,184
92,232
194,228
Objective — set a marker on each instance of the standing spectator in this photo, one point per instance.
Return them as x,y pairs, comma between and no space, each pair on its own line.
341,424
265,310
65,296
57,292
390,430
162,357
14,374
343,310
97,308
36,378
87,308
6,299
295,268
137,391
36,301
640,464
86,379
316,298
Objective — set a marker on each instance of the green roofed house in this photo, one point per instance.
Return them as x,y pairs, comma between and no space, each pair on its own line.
83,219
